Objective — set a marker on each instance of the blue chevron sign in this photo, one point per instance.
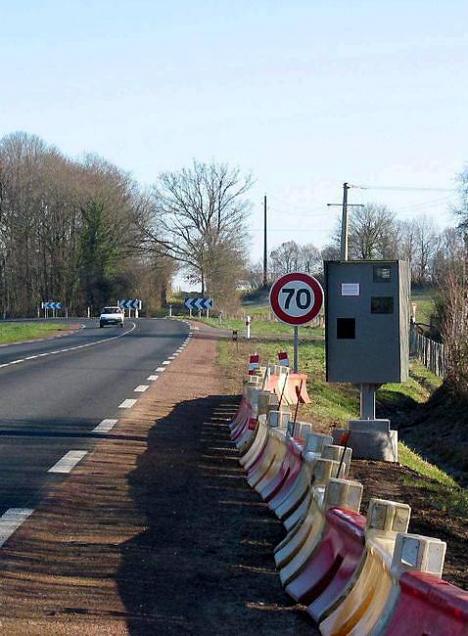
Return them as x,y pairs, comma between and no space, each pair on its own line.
198,303
51,305
130,304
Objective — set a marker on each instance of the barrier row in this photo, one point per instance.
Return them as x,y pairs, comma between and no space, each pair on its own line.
356,574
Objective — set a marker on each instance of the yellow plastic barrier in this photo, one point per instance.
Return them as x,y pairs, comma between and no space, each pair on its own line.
366,599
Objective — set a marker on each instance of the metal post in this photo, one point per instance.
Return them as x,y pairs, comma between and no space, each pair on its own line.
296,349
190,310
170,311
368,401
265,251
344,224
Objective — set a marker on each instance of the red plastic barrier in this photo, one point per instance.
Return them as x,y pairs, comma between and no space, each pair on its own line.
295,389
286,488
332,564
428,606
244,411
289,468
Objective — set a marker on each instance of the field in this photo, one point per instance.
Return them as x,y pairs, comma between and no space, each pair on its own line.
19,331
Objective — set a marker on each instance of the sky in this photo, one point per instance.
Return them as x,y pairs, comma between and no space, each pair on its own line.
302,94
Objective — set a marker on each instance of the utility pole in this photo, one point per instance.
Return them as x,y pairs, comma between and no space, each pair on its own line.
344,219
265,251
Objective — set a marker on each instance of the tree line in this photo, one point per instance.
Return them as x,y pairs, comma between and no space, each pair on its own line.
85,233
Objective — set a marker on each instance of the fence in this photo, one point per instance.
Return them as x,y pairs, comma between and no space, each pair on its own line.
429,352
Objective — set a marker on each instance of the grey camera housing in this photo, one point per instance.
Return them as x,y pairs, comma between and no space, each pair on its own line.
367,313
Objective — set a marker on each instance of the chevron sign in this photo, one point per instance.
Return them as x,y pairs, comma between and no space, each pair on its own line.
51,305
199,303
130,304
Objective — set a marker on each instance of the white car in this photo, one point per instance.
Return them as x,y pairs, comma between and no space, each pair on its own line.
111,316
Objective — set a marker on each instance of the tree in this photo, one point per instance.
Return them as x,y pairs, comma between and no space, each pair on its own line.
99,255
195,215
285,258
372,232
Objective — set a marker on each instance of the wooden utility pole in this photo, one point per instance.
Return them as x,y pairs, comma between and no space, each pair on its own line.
344,219
265,250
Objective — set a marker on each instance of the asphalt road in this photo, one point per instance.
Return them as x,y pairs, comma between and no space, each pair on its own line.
54,393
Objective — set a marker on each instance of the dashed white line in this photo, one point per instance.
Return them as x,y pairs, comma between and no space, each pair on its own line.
166,362
105,426
141,388
160,369
127,404
11,520
68,462
152,378
172,357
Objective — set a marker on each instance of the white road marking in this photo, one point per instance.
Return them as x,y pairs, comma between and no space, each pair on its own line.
11,520
172,357
141,388
127,404
68,462
52,353
152,378
160,369
166,362
105,426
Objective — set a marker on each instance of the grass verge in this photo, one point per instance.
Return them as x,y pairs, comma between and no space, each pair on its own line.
334,404
20,331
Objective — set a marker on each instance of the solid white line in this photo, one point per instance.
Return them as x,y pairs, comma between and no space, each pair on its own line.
160,369
11,520
52,353
141,388
68,462
127,404
105,426
152,378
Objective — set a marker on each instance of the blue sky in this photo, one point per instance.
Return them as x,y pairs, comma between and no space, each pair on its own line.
304,94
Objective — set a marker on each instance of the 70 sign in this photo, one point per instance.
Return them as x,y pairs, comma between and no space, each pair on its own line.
296,298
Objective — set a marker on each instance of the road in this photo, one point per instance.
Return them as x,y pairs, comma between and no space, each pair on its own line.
58,396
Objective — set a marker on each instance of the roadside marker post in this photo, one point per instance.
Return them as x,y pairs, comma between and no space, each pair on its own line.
296,299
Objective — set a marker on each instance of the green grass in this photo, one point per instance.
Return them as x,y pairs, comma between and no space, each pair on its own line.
443,490
262,328
425,304
17,332
335,404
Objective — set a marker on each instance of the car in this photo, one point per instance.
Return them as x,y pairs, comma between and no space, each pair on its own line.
111,316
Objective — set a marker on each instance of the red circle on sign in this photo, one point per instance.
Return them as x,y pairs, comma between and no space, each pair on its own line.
310,312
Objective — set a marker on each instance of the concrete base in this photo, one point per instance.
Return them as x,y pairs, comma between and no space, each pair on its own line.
371,439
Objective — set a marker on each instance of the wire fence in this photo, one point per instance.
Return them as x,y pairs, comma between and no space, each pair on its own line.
428,351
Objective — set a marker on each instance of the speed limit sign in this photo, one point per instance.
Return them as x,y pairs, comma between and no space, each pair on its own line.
296,298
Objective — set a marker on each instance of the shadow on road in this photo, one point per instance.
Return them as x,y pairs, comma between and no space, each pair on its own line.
204,564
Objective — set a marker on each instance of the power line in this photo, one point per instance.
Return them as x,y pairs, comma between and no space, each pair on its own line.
404,188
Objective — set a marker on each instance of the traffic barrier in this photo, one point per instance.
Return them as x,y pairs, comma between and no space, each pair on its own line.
254,363
295,389
332,564
359,607
303,537
264,470
356,576
296,558
288,471
428,606
296,487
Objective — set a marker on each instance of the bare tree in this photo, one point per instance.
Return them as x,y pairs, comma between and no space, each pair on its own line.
285,258
195,214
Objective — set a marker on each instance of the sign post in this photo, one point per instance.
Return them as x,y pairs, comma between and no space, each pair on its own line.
296,299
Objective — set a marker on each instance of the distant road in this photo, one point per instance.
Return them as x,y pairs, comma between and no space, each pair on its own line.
54,393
